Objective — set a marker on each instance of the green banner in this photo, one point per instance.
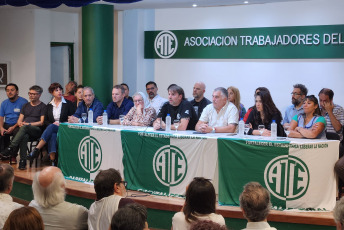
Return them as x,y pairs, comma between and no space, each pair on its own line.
295,42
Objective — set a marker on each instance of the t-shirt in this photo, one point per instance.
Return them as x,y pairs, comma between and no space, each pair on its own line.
33,113
11,110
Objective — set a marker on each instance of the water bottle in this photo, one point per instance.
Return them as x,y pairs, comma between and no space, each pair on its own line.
90,117
273,130
168,123
105,118
241,128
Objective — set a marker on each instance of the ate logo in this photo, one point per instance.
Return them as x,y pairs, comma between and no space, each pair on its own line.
90,154
170,165
165,44
286,177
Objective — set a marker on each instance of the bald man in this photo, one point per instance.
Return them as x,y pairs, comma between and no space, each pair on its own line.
199,102
49,199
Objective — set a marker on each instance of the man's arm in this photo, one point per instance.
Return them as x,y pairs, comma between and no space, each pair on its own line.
2,129
334,121
37,123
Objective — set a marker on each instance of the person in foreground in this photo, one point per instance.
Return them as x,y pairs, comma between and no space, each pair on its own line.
141,114
110,190
255,205
338,214
219,117
49,199
309,124
264,112
57,112
206,225
130,217
6,184
25,218
200,204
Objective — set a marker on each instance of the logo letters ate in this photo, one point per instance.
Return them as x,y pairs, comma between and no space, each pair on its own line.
165,44
90,154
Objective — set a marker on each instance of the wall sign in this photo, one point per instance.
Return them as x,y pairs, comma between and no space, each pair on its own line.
295,42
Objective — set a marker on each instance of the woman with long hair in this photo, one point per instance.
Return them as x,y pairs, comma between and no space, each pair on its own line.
25,218
251,108
263,113
78,95
309,124
234,97
199,205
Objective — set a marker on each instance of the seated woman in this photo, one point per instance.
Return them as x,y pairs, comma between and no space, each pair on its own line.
142,114
57,112
199,205
251,108
309,124
234,97
78,95
263,113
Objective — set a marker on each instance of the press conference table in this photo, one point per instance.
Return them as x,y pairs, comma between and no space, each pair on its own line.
297,172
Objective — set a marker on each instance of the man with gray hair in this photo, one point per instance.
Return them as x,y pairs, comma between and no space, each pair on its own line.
219,117
49,199
89,102
199,102
255,205
338,214
6,202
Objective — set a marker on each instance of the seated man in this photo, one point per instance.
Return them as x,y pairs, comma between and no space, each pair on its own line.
155,99
30,121
89,102
110,190
255,205
219,117
119,106
132,216
179,109
199,101
126,91
6,184
49,199
338,214
10,111
297,98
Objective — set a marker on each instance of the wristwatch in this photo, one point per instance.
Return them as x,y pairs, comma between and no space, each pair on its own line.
214,131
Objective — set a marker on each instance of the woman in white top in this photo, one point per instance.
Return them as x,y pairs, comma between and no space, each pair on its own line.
199,204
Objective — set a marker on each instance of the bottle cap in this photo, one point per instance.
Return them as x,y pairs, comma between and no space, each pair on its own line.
168,114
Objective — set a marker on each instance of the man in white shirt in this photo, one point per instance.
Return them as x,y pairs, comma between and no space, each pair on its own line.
219,117
49,199
110,190
6,202
255,205
155,100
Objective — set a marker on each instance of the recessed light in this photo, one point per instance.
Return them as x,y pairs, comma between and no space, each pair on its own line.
246,2
194,5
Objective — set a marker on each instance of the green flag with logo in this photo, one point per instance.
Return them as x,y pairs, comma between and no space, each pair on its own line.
165,164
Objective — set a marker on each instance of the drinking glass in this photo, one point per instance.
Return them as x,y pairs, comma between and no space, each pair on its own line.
261,129
286,130
84,116
176,123
247,128
121,118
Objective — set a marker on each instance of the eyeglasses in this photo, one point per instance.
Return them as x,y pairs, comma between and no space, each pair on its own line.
33,94
296,94
124,183
137,101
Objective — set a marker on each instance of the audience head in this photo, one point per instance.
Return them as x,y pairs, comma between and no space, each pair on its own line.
255,202
6,178
234,96
200,198
325,96
12,91
49,187
298,95
140,98
152,89
118,93
79,92
109,182
130,217
71,87
198,91
206,225
220,97
88,95
24,218
126,90
175,95
338,214
311,105
264,104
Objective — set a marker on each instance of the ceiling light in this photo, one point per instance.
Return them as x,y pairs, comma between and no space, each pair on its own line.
246,2
194,5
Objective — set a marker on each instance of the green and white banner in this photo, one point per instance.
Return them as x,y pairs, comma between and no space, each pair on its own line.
289,42
290,171
166,164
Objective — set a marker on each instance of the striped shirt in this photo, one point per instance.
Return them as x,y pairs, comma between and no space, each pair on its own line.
339,114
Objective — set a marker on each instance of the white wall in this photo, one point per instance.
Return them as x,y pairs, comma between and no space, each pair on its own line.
277,75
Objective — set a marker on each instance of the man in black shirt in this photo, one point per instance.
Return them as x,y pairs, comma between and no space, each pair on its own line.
199,102
178,108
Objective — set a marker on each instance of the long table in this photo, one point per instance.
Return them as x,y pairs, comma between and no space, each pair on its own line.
297,172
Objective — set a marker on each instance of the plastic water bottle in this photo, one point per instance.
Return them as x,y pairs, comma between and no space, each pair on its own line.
105,118
241,128
90,117
273,130
168,123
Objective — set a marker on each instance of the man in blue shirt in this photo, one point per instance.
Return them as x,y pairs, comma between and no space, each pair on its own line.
297,97
119,106
89,102
9,114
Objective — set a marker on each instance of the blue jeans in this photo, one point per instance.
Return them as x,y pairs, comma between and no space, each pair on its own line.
50,137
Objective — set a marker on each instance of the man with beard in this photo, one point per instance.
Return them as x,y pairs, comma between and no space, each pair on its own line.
297,97
155,100
199,102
